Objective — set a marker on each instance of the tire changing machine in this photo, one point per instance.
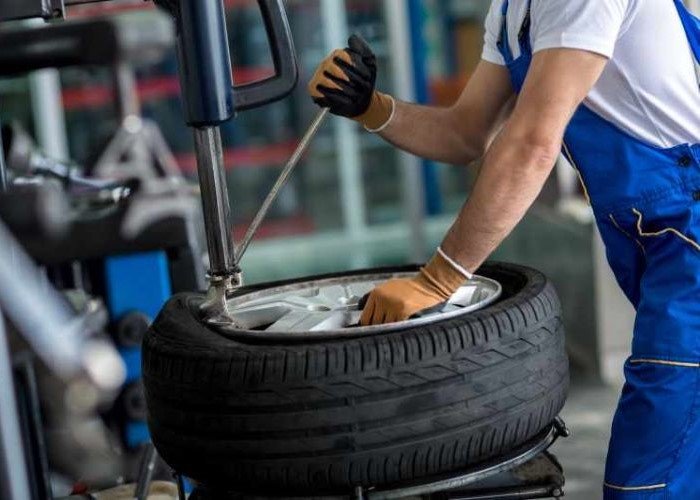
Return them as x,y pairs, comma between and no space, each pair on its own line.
210,99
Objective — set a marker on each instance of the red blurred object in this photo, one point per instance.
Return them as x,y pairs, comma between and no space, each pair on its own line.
148,89
289,226
79,489
272,155
121,6
107,8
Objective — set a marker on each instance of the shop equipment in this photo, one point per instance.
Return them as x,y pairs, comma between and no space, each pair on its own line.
64,341
144,215
210,98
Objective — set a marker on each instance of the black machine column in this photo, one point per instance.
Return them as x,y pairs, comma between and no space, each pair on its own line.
210,99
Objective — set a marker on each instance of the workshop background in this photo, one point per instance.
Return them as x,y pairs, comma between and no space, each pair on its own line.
355,202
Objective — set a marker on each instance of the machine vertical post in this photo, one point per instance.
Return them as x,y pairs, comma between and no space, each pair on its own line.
207,85
210,99
215,201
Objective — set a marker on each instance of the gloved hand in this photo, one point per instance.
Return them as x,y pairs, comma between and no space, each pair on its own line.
345,83
398,300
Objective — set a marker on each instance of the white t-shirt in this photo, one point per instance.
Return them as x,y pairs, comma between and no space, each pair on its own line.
649,87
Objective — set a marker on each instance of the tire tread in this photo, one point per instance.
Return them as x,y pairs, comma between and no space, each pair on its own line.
328,415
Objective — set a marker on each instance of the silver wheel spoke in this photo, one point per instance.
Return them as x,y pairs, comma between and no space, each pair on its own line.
304,321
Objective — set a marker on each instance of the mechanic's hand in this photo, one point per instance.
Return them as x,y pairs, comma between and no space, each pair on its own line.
344,82
398,300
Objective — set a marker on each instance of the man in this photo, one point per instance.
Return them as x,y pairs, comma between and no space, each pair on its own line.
615,82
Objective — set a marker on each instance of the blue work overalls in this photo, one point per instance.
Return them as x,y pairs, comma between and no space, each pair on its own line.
646,202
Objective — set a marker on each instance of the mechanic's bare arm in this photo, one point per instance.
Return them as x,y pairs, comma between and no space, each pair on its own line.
523,154
461,133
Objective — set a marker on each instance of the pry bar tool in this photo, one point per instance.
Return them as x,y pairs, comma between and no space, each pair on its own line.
279,184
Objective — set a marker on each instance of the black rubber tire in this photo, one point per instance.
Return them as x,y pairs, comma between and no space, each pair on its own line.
324,416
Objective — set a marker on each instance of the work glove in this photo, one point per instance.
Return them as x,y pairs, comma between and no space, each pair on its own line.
345,83
398,300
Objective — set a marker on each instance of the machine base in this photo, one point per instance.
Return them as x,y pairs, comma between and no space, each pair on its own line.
528,472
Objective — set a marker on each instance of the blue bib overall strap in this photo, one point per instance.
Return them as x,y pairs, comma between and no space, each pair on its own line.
518,67
646,201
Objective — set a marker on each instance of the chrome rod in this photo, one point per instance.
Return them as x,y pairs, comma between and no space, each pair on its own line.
215,201
14,482
281,181
37,310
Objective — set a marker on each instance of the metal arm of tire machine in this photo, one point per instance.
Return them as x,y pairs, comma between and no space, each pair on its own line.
210,99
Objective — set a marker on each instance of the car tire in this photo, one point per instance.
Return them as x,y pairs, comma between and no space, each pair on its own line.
321,416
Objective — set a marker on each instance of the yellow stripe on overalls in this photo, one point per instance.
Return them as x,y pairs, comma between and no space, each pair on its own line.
667,230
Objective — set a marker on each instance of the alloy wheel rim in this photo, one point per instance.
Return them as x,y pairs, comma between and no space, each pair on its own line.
332,304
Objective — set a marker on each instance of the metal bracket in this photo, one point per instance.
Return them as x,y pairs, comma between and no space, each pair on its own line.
561,427
215,306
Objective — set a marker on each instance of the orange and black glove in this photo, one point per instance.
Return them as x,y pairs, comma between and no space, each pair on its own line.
345,83
398,300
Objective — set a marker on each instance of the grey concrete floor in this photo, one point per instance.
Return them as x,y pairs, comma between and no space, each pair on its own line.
588,414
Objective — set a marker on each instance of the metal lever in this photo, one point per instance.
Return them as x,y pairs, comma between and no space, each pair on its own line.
279,184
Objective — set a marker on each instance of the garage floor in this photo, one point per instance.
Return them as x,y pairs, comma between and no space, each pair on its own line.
588,414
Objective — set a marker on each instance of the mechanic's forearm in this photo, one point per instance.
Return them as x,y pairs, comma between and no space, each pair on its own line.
431,132
511,178
523,155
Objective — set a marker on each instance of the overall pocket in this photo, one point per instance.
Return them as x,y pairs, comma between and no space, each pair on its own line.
668,312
